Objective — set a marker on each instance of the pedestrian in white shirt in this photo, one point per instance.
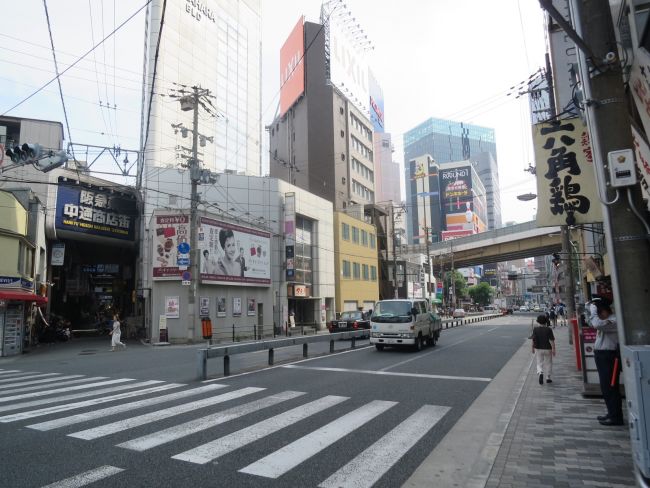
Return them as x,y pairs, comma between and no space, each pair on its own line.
116,334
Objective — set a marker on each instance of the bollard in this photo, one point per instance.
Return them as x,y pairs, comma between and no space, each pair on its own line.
302,330
304,350
233,332
202,364
226,365
354,342
271,357
331,346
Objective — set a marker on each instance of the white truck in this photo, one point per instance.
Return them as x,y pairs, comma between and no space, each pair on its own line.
404,322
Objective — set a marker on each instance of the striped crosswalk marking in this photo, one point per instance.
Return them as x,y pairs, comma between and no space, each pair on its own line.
104,430
193,426
291,455
65,398
366,469
31,376
20,374
212,450
87,477
61,390
19,387
7,371
127,407
87,403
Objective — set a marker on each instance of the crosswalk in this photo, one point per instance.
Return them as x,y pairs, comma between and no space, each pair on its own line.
151,414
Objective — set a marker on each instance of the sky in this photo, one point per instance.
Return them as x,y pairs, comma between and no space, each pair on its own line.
451,59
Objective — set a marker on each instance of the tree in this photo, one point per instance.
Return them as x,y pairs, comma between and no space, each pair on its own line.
459,280
481,293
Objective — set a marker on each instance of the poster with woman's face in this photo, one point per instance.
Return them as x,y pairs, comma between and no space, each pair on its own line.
236,306
221,307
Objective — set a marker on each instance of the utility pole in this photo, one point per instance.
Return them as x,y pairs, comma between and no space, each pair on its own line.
392,232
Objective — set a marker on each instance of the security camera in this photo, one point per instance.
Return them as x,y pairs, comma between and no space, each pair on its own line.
610,57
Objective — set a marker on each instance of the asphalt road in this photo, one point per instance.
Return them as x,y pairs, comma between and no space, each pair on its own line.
355,418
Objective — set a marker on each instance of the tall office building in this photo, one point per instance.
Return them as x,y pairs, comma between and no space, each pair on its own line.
387,171
447,141
214,44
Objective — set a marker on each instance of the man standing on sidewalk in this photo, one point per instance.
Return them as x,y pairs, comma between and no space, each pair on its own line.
606,353
543,349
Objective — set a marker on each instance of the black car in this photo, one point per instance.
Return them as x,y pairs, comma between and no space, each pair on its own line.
350,321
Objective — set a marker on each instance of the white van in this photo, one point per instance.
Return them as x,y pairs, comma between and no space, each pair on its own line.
404,322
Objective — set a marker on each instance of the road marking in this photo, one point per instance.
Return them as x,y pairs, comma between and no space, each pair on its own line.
87,477
193,426
390,373
30,376
212,450
120,425
17,375
288,457
65,398
95,401
49,384
105,412
7,371
366,469
282,365
61,390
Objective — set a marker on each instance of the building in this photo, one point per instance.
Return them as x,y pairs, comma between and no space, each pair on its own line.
387,171
215,45
356,263
446,141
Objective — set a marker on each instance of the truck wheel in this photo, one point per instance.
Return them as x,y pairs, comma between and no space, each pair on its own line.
432,339
380,347
418,343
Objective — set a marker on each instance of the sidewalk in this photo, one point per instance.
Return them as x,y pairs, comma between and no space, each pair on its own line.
518,434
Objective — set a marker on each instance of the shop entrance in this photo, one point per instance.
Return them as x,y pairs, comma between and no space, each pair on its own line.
304,311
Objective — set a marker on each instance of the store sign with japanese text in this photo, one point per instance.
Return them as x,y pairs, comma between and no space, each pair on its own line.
95,212
566,182
642,155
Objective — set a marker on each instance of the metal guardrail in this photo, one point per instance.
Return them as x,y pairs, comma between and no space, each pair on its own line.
225,352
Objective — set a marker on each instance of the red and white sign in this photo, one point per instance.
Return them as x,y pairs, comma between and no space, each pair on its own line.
299,291
454,234
292,67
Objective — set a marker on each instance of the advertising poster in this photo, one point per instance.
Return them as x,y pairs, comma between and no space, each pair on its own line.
172,307
292,67
456,186
642,153
231,254
566,182
169,231
204,309
251,307
221,306
58,254
236,306
94,212
376,103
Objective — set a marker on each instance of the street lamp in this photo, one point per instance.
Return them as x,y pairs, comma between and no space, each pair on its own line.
527,197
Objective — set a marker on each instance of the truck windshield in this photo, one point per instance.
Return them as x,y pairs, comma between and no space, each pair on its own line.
394,311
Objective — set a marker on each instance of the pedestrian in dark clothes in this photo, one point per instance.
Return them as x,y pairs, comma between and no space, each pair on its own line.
544,349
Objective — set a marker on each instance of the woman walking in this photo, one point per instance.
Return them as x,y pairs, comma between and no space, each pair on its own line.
116,334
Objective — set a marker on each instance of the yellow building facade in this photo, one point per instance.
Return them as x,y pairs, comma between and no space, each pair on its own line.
356,263
17,253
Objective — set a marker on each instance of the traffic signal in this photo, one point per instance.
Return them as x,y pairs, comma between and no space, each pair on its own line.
32,151
51,161
15,154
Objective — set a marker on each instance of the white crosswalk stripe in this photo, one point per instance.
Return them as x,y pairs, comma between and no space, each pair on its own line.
291,455
65,398
31,376
87,403
127,407
86,478
129,423
366,469
193,426
212,450
49,384
8,371
61,390
16,375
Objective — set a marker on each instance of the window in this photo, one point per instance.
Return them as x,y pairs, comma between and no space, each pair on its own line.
373,273
345,231
355,235
346,269
342,133
342,156
364,238
373,243
365,272
356,270
341,111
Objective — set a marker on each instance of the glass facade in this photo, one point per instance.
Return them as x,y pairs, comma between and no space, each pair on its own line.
216,45
303,250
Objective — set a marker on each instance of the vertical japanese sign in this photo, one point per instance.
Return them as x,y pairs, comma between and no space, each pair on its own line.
290,233
642,155
566,182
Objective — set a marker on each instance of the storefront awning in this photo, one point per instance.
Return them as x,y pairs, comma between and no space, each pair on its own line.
23,296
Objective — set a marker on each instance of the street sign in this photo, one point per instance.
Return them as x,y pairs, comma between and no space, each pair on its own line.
186,276
183,248
183,260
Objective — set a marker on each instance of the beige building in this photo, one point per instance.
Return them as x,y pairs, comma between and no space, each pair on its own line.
356,263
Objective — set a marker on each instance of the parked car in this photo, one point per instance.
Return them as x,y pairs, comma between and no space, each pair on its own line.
523,308
350,321
406,322
459,313
537,308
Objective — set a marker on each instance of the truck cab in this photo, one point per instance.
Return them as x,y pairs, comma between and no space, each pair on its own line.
404,322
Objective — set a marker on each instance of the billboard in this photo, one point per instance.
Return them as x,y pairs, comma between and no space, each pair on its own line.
642,153
448,235
95,212
566,182
376,103
169,231
292,67
348,64
232,254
